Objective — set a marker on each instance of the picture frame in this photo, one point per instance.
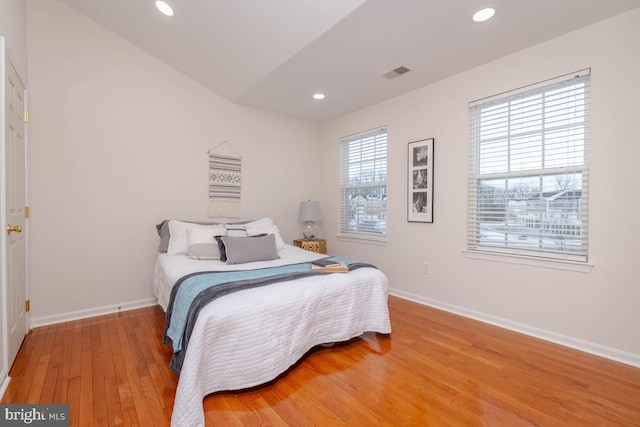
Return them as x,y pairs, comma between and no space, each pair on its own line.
420,159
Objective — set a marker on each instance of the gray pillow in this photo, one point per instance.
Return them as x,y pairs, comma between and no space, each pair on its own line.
240,250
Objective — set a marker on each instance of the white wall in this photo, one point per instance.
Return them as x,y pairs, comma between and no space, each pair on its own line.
119,142
598,311
13,26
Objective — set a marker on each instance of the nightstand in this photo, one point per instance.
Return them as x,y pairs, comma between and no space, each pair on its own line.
315,245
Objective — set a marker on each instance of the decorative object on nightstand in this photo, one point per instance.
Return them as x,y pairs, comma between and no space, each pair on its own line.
310,214
315,245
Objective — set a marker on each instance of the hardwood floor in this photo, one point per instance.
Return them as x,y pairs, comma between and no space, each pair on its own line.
435,369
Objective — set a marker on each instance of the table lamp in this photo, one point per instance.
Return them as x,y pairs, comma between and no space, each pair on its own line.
309,215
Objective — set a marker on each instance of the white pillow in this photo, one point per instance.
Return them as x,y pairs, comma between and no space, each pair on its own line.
268,230
259,223
202,243
178,242
242,230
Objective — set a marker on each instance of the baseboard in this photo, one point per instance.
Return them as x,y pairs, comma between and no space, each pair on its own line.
567,341
5,379
92,312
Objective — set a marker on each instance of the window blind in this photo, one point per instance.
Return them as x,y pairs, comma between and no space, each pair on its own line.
363,185
528,178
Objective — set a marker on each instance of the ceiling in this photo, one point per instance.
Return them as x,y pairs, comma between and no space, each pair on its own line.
276,54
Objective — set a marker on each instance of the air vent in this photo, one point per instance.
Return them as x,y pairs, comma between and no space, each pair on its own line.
396,72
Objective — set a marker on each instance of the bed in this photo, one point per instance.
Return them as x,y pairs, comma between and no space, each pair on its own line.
249,337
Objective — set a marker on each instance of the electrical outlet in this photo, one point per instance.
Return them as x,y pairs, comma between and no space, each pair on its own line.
426,268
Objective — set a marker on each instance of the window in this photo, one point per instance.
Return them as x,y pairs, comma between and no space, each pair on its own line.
363,185
529,170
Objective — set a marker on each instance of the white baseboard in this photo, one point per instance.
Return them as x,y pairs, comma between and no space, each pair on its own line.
5,379
567,341
92,312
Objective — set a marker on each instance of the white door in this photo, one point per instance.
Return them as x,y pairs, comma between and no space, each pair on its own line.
12,154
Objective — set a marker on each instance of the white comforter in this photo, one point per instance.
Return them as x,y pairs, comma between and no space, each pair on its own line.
250,337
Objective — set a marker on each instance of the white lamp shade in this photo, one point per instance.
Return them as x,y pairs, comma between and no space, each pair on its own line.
310,211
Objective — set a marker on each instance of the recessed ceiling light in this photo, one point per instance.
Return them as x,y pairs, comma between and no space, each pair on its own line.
318,96
164,8
484,14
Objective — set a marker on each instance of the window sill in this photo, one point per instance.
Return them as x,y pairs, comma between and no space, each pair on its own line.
557,264
379,241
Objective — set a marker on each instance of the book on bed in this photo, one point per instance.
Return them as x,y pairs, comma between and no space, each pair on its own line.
331,267
326,263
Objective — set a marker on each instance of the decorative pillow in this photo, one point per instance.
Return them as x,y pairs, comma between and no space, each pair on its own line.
236,230
268,230
239,250
240,229
202,243
221,248
179,241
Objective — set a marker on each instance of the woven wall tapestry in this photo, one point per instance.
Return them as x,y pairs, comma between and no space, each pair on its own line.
224,185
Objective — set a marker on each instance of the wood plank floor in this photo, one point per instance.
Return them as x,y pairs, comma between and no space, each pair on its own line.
435,369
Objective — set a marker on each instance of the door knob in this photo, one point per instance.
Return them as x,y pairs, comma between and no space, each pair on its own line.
16,228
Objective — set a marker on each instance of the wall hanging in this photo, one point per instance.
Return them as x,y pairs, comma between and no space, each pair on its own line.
224,182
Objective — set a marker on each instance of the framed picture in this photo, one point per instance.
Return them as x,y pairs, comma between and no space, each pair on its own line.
420,181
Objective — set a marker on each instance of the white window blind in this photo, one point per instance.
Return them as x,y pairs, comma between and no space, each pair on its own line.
529,170
363,185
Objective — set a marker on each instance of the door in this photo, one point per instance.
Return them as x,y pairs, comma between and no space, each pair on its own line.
12,154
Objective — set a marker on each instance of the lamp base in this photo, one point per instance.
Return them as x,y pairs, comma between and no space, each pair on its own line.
310,231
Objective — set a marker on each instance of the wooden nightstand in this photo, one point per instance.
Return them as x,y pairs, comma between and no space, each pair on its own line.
315,245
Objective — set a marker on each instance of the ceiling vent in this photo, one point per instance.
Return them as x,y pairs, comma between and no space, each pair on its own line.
396,72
